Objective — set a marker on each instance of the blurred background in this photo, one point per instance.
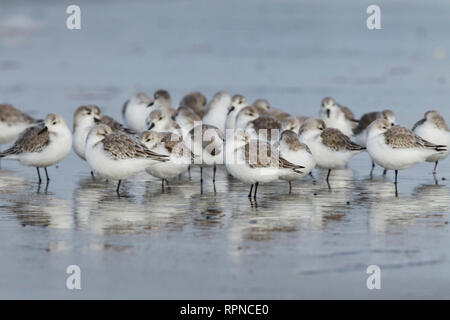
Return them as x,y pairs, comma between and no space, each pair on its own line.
183,244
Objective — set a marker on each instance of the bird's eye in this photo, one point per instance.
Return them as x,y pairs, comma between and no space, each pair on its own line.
384,127
54,123
392,124
160,118
89,113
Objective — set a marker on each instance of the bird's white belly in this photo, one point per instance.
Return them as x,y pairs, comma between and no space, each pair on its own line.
395,159
340,123
114,169
329,159
438,137
56,151
10,133
167,170
135,117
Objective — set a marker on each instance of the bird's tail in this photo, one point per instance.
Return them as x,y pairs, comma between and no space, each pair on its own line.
441,148
297,170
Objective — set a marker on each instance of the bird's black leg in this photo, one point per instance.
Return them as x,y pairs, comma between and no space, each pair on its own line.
214,174
385,172
46,174
328,179
118,187
189,172
201,174
256,190
39,175
162,185
250,193
435,168
290,187
373,168
396,183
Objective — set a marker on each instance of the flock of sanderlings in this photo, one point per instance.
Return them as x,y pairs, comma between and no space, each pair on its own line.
256,143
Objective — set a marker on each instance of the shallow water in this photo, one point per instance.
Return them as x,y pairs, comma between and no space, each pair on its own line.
313,243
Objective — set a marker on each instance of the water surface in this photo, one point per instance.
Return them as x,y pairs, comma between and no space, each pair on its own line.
313,243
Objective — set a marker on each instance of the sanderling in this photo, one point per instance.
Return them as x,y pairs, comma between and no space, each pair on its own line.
238,102
135,111
294,151
196,101
260,127
293,124
360,132
434,129
206,143
109,121
186,119
13,122
330,147
84,119
263,107
162,99
117,155
398,148
159,120
255,161
217,110
338,117
170,144
42,146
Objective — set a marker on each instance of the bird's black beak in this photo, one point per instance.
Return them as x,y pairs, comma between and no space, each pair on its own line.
328,113
45,129
96,120
151,104
230,110
151,126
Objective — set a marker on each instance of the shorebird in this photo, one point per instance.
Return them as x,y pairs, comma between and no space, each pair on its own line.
255,161
171,145
294,151
398,148
238,102
117,155
195,101
206,143
338,117
293,124
42,146
260,127
84,119
434,129
159,120
13,122
135,111
330,147
186,119
109,121
360,132
263,107
217,110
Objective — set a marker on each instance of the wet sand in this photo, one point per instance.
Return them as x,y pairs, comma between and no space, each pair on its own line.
182,244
